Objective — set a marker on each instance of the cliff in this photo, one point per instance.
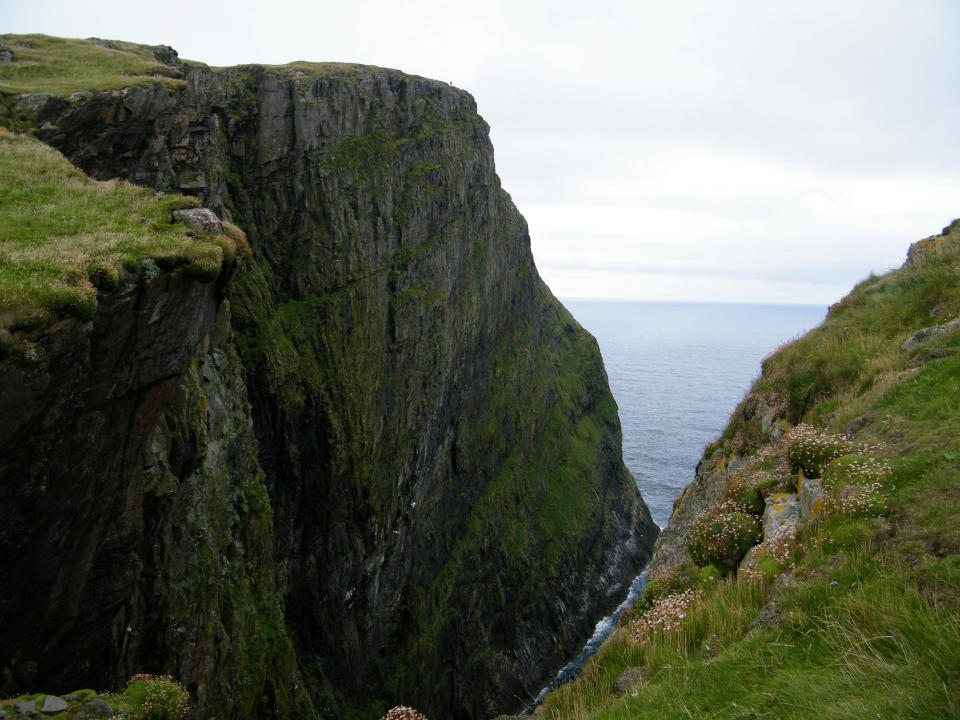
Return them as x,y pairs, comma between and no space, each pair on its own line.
810,568
380,462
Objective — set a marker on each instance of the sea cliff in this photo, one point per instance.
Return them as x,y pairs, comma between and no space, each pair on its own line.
377,462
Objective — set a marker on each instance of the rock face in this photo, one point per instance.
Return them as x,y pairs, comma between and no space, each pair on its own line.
130,529
449,510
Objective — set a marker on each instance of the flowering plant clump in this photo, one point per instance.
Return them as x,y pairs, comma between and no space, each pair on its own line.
666,614
157,698
722,535
856,470
774,554
857,501
811,450
402,712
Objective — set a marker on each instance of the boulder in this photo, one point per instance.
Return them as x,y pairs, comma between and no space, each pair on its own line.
810,494
99,708
25,708
921,335
781,509
53,705
203,220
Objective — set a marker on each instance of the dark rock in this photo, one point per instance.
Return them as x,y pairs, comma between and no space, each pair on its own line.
98,708
6,54
25,708
165,54
857,424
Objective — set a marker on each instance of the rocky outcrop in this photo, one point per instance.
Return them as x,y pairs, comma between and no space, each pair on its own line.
935,244
442,454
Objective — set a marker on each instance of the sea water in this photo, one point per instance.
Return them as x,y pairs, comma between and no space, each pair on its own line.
677,372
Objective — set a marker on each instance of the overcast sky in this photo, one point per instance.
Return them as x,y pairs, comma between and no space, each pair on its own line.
754,150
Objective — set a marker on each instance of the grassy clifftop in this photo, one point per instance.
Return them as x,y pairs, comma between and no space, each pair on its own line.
855,612
64,236
45,64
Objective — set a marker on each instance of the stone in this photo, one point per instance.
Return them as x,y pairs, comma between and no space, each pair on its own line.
810,494
769,617
53,705
99,708
6,55
203,220
748,559
628,680
25,708
929,332
165,54
781,509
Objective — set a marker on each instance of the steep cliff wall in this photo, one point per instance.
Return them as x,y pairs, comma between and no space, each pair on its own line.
134,525
440,446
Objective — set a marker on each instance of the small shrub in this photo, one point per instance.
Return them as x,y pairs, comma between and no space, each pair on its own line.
810,450
722,535
149,269
671,582
747,439
228,245
157,698
401,712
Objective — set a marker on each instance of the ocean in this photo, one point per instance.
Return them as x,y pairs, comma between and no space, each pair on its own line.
677,371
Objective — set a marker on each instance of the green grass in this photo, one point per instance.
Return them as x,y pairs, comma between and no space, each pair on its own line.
64,237
62,66
872,627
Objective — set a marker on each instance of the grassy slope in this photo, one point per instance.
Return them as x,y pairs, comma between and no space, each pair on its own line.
873,627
